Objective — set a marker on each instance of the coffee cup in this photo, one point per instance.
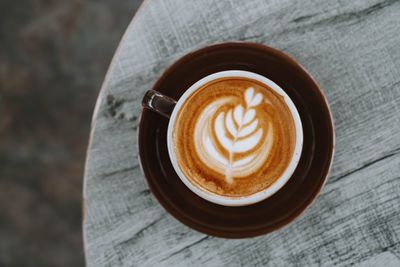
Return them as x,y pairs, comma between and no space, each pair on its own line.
234,137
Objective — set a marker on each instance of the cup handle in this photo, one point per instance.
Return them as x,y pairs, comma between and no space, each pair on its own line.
157,102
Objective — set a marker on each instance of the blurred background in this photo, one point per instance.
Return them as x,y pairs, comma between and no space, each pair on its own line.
54,55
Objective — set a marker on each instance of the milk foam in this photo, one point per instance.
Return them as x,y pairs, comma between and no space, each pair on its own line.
231,141
234,138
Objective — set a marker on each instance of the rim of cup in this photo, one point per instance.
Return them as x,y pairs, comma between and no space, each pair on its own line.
258,196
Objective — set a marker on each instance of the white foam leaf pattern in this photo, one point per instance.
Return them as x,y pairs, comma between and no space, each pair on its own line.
248,143
248,129
230,125
251,99
238,114
242,127
249,116
221,134
236,131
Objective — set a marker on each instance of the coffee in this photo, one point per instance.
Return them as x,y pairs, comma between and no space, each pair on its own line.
234,137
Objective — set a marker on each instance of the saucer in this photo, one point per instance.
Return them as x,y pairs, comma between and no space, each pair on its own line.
301,189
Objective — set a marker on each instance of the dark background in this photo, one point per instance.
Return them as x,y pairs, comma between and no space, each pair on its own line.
53,58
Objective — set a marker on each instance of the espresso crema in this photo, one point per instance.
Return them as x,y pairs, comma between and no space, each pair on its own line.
234,137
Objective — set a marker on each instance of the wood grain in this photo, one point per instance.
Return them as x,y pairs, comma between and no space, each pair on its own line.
352,48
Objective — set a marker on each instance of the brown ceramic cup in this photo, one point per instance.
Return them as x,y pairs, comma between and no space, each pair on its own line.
297,193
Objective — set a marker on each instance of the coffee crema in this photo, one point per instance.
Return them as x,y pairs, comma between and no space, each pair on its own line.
234,137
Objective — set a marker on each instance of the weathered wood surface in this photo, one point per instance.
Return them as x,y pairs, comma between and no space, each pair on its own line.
352,48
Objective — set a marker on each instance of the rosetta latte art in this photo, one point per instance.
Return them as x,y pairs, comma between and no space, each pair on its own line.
234,136
232,143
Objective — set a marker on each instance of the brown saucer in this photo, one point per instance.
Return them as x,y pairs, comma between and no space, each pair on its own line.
308,178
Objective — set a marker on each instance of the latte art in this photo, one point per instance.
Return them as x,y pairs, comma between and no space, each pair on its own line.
234,137
236,132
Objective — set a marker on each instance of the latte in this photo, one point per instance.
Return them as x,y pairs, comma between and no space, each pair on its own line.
234,137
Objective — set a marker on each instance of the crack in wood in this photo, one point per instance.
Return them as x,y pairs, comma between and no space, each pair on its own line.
389,249
116,108
339,18
132,240
362,193
134,167
144,192
113,105
388,155
252,37
329,21
392,249
303,18
355,14
185,248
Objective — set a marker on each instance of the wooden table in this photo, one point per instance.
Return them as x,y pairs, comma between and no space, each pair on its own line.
352,48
